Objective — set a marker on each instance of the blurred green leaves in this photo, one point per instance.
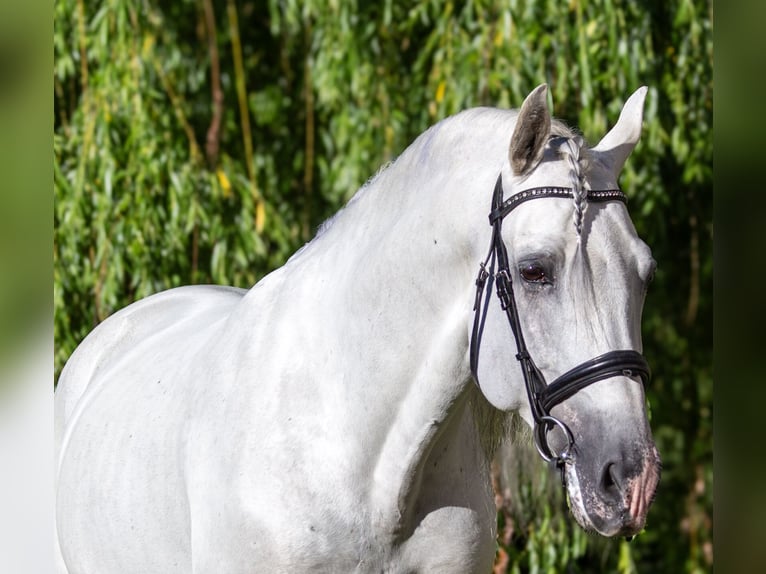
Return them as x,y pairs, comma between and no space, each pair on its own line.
25,210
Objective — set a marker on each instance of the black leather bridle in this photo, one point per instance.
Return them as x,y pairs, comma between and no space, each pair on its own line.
543,397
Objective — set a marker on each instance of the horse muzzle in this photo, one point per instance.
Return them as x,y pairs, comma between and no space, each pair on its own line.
612,495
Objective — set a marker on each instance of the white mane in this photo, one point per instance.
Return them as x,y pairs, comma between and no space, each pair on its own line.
438,145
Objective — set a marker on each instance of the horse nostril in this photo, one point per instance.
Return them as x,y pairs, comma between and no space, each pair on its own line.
609,481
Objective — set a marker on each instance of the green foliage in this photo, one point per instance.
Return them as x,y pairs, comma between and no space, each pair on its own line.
315,97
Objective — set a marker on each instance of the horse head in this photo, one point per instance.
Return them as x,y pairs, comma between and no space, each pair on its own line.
575,283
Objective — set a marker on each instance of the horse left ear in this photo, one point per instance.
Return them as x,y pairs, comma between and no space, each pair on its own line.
615,147
533,126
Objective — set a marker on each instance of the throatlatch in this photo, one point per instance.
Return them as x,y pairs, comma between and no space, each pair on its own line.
543,397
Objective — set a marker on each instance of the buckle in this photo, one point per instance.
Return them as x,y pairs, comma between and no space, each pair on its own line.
481,278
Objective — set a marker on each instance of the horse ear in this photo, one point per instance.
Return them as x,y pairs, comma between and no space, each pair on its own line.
615,147
533,126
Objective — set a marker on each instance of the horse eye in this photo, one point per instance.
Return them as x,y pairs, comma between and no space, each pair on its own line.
533,273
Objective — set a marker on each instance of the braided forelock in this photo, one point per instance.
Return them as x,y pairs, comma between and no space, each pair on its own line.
571,149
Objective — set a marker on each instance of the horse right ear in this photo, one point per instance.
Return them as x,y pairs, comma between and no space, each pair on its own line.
615,147
533,126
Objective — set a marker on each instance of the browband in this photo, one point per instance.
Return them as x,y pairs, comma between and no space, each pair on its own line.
562,192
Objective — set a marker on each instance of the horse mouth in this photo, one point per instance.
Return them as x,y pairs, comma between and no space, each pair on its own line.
615,511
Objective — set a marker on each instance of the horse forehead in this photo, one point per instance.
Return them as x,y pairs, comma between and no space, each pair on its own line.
613,230
546,225
546,220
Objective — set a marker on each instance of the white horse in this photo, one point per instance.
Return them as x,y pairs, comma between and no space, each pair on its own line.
327,419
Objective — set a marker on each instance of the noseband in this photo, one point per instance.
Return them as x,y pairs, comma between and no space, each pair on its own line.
543,397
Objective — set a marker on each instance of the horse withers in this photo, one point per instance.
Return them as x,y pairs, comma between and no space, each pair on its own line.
342,413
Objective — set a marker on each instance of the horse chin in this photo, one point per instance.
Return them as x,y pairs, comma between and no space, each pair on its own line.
607,518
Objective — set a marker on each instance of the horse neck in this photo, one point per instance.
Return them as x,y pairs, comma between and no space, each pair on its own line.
395,273
401,258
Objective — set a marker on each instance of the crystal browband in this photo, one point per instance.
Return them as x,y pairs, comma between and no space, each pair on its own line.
562,192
